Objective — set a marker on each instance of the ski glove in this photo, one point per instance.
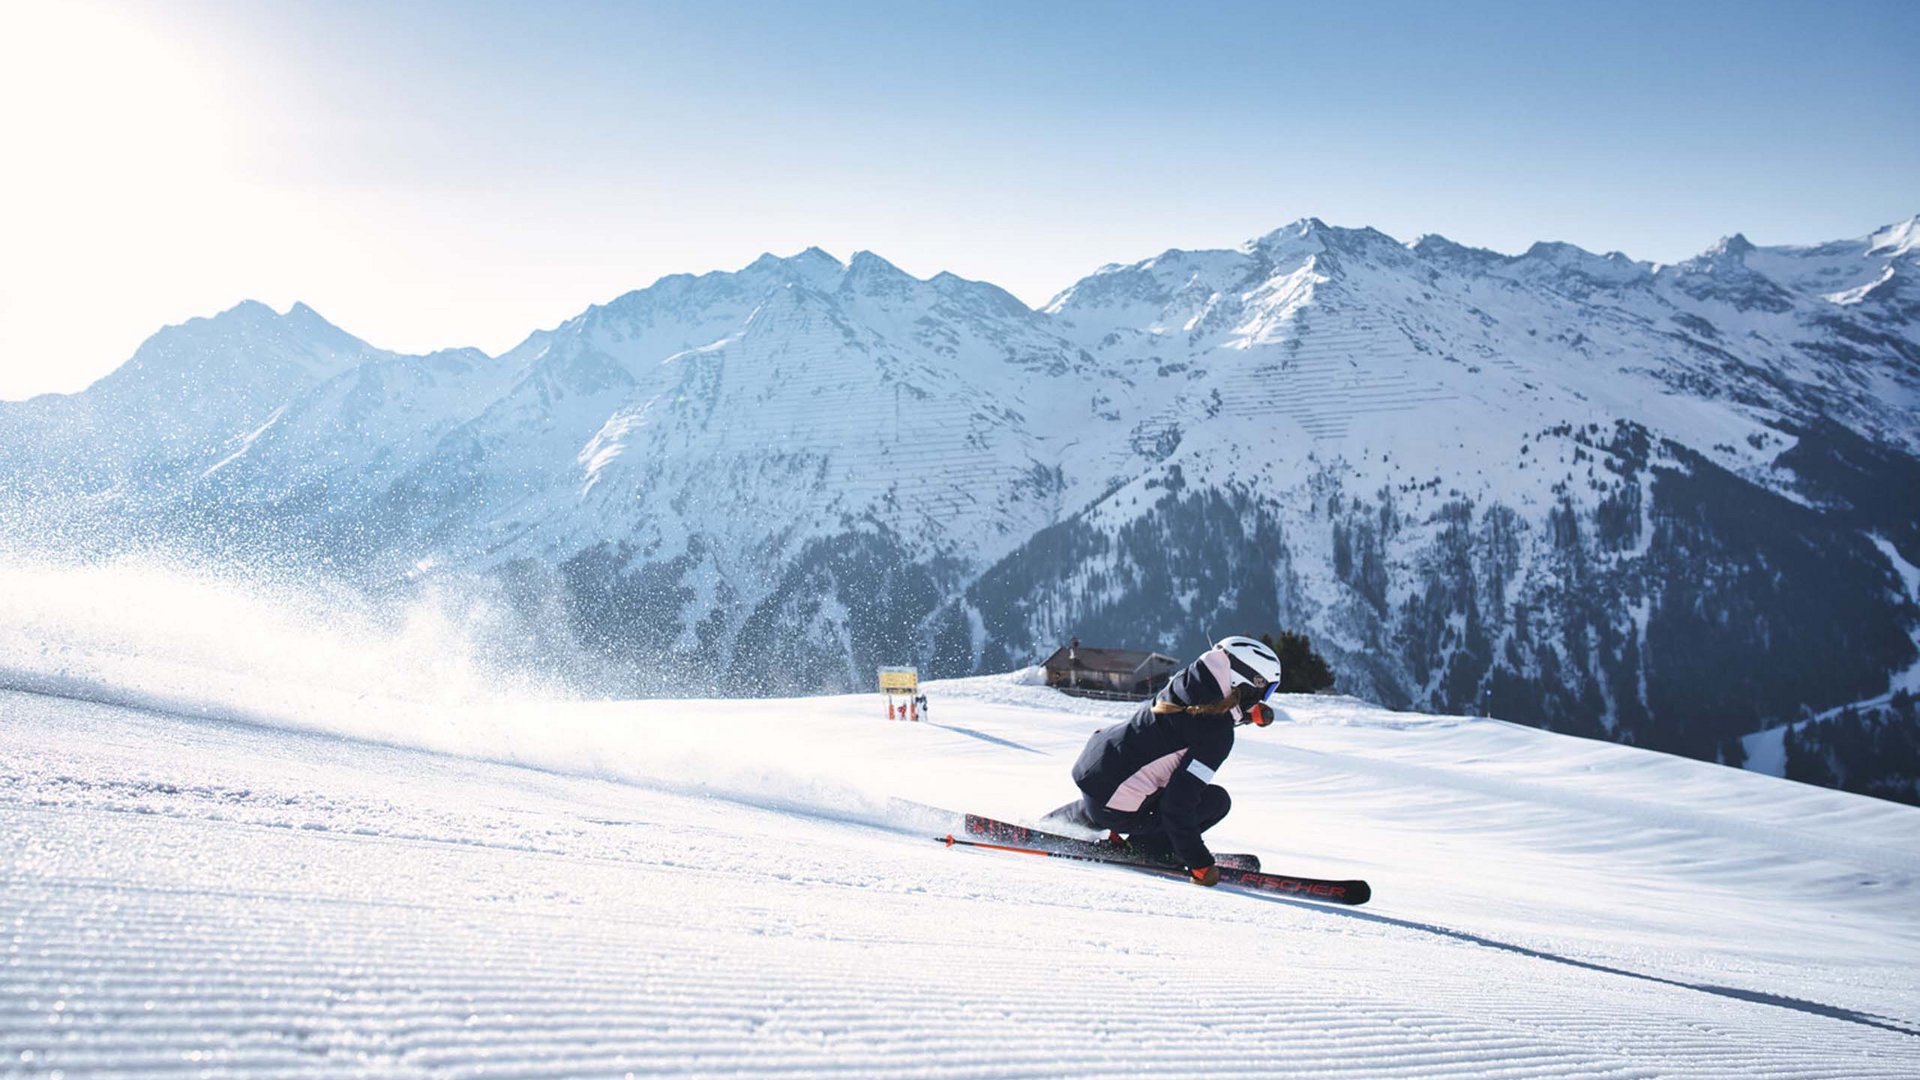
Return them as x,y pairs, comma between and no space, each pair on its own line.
1206,875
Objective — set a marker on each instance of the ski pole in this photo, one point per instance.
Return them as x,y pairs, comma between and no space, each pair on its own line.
950,840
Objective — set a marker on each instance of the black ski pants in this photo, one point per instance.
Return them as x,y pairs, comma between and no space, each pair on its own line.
1144,828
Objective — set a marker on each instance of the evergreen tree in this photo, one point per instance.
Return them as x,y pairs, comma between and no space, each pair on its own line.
1302,670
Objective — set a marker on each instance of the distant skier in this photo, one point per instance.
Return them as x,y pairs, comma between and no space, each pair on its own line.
1151,778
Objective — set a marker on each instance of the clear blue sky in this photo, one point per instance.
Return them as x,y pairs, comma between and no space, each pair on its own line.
438,174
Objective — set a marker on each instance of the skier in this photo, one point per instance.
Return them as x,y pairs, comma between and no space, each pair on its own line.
1151,778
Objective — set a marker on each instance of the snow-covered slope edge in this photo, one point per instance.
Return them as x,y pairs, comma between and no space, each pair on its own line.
644,893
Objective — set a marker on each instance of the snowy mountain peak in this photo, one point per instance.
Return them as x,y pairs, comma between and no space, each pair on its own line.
869,262
251,335
1736,246
191,390
1303,229
1724,274
1290,245
1558,251
1456,256
1558,259
250,310
1310,236
245,317
1435,244
812,268
1335,252
1901,238
985,295
869,274
815,261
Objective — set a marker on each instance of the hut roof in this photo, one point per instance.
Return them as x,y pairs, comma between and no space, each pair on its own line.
1113,661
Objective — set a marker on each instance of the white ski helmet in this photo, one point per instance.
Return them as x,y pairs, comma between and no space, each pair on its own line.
1252,661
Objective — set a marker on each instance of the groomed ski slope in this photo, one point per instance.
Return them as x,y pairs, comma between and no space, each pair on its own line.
718,887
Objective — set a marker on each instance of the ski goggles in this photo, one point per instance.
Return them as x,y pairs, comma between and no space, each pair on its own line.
1259,711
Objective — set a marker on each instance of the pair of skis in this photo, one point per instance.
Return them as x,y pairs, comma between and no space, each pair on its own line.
1242,871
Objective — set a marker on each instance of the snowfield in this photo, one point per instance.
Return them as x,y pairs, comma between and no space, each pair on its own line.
716,887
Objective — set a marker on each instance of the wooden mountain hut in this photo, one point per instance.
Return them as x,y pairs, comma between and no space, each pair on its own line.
1108,673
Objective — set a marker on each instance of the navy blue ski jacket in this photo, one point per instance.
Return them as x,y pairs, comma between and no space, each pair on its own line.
1167,752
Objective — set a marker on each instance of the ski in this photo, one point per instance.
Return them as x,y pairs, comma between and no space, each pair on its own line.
1021,840
1350,891
1023,836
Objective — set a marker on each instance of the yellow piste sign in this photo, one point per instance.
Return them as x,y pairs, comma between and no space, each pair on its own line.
899,680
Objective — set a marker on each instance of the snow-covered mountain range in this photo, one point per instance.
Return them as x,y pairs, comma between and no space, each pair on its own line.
1672,505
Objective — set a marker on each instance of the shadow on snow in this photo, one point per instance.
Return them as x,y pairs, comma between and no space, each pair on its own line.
1811,1008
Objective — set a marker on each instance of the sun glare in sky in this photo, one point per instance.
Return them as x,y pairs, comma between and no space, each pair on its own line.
122,146
434,174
